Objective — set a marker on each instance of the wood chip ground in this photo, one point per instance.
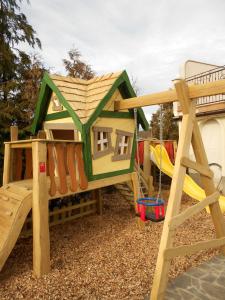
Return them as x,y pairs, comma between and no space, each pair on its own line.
106,257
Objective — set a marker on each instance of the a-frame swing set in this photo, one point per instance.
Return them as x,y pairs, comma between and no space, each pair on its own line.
189,135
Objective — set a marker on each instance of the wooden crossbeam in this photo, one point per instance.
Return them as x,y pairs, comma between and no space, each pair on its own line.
193,210
195,91
191,249
203,170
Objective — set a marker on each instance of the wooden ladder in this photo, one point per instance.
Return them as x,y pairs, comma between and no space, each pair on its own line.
189,135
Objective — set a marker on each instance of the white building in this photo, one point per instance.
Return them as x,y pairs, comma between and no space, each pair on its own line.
211,117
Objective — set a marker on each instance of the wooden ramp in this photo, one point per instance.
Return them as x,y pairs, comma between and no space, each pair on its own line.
15,204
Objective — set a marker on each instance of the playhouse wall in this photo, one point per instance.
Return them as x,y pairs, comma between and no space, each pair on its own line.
105,164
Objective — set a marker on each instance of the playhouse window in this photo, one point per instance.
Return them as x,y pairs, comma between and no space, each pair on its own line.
56,105
102,141
123,145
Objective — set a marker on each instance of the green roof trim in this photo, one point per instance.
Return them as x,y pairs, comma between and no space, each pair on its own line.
43,101
123,84
116,114
58,115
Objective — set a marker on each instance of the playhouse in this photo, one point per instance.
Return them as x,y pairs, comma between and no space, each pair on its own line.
83,111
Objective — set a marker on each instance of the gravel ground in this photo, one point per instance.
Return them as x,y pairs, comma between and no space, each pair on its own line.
106,257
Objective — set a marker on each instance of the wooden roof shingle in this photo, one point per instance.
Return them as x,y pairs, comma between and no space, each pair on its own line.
84,95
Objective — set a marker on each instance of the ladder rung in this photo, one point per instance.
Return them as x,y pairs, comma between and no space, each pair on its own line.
173,252
203,170
189,212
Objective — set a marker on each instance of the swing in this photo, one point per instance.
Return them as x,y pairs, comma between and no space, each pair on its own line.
156,205
156,215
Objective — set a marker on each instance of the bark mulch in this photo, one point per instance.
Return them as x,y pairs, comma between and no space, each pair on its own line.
106,257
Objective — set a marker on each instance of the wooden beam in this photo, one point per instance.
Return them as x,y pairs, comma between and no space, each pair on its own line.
147,100
21,146
191,211
41,243
205,171
195,91
190,249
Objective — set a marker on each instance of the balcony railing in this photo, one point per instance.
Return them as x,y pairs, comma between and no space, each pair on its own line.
205,77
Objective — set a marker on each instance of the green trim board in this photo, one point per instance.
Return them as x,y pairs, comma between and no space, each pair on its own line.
118,115
57,115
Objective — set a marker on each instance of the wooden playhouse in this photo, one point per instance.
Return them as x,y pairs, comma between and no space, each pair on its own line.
83,110
82,144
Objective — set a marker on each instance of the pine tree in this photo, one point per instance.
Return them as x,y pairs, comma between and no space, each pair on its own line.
170,128
19,72
76,67
14,30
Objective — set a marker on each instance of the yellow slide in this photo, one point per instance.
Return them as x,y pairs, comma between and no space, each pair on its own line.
191,188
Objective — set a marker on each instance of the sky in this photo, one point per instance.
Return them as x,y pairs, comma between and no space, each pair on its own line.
150,39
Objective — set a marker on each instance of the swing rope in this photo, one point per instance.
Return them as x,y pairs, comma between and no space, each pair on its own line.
140,190
161,144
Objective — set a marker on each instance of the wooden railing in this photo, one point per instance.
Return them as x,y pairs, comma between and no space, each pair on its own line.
62,161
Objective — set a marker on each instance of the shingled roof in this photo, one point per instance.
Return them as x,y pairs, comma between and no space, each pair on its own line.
83,100
84,95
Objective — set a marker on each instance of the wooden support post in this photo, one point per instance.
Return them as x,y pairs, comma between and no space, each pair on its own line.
136,188
41,244
14,133
147,161
150,186
7,164
98,197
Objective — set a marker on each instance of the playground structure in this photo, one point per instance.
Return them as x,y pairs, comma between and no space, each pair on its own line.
82,145
56,175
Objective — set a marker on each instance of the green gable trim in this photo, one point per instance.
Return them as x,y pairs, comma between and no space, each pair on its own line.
43,102
119,115
127,91
44,96
104,101
142,120
58,115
